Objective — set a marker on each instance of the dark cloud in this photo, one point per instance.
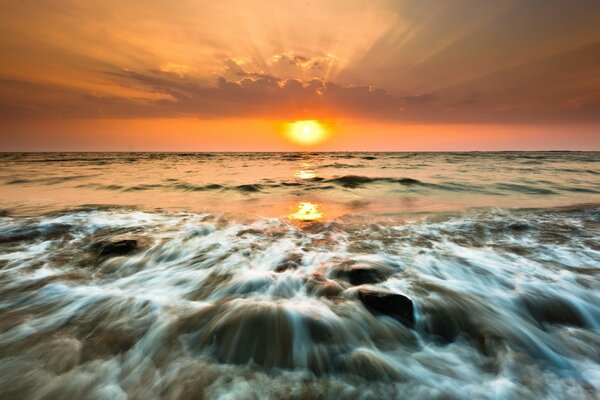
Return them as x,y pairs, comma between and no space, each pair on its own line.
263,95
512,95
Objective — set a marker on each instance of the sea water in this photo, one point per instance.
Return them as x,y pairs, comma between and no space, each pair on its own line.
240,276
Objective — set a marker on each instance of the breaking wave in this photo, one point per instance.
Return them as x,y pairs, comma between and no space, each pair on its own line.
115,302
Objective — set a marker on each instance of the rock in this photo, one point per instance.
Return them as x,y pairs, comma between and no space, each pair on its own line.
394,305
265,333
320,286
518,227
285,266
552,309
360,274
118,248
291,262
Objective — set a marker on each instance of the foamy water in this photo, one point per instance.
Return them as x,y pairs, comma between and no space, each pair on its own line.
227,276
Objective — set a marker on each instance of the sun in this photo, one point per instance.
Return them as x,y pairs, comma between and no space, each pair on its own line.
307,132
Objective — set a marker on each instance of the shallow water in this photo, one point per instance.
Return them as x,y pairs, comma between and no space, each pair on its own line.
244,275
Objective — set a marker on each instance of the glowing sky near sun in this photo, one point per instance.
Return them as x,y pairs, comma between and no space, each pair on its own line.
233,74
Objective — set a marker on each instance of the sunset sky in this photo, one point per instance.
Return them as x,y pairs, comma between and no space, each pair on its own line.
194,75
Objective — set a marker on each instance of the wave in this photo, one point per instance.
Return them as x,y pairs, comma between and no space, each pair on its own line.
321,183
95,300
47,181
527,189
355,181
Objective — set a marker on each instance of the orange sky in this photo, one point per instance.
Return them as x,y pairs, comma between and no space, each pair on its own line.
197,75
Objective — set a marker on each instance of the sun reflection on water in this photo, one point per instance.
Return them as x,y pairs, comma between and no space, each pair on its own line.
306,174
307,211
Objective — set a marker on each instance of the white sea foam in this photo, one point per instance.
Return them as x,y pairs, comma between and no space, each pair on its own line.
229,309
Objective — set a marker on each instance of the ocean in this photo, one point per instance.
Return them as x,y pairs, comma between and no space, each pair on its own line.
300,275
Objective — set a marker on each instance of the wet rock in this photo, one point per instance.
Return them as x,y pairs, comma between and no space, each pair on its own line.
291,262
31,233
394,305
368,247
552,309
318,285
106,342
118,248
519,227
286,265
368,364
213,282
249,231
360,274
452,316
263,333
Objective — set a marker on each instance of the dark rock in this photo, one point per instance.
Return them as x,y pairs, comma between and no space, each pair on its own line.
394,305
118,248
361,274
518,227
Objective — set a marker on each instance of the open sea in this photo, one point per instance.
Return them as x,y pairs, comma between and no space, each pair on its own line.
300,275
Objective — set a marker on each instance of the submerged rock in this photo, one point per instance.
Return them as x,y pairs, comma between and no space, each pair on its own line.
118,248
394,305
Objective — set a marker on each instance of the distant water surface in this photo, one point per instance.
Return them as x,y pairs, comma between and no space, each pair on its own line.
300,275
270,184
